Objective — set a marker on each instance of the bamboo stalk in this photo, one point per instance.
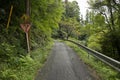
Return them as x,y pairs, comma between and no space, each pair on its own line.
10,16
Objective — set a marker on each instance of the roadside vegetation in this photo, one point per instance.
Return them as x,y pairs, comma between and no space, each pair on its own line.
25,67
15,61
100,30
102,70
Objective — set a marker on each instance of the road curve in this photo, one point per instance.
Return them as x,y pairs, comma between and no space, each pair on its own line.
64,64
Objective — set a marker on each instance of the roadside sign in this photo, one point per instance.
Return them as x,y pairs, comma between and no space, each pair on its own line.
25,27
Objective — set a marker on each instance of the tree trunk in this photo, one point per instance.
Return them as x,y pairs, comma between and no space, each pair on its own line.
111,15
67,37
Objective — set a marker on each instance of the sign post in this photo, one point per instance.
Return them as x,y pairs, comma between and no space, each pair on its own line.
28,44
26,24
26,28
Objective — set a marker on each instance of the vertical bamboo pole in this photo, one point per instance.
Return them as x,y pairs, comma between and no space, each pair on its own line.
9,16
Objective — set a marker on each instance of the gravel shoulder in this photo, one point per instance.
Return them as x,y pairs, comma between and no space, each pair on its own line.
64,64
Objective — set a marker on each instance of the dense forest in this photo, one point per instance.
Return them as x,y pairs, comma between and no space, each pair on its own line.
49,19
103,27
43,15
100,30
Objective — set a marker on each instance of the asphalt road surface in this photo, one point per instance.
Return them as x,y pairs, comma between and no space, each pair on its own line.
64,64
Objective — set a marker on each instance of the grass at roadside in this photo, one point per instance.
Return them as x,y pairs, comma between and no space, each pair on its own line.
105,72
25,67
39,57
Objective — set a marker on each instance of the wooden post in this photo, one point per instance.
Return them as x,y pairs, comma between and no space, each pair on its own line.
26,28
28,21
28,43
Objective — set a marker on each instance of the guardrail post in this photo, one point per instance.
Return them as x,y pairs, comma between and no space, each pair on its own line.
88,55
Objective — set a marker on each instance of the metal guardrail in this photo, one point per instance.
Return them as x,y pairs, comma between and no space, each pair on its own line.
111,62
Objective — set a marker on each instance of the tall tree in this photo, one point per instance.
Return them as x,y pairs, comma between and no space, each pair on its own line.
72,10
70,18
109,9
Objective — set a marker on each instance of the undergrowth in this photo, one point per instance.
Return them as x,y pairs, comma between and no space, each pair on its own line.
104,71
24,67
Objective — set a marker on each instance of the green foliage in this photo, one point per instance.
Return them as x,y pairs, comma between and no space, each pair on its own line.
8,53
99,20
15,64
111,39
70,20
25,67
60,34
45,17
8,75
72,10
94,41
26,60
101,28
68,26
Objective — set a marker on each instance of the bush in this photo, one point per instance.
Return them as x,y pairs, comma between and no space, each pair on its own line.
61,34
23,67
110,44
94,42
6,52
8,74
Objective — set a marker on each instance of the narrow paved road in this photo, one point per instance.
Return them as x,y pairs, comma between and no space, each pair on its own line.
64,64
